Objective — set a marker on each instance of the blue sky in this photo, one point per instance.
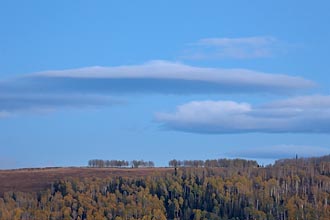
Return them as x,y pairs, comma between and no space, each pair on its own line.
158,80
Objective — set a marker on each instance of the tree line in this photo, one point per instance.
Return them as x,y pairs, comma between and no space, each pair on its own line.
238,163
120,163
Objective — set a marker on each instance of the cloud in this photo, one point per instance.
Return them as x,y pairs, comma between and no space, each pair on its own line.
316,101
308,114
4,114
93,86
227,42
166,77
18,103
7,162
236,48
280,152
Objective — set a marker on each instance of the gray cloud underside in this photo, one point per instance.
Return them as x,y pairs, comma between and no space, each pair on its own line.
308,114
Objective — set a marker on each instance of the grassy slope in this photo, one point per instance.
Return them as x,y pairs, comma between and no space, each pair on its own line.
33,180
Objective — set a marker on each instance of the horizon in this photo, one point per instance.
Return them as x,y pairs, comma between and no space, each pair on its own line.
162,80
155,165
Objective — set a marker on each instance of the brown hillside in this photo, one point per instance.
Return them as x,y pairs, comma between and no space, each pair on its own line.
33,180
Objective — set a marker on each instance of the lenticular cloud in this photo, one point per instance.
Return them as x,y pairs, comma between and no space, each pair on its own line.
173,75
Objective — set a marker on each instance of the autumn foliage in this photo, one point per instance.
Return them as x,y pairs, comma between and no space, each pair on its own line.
288,190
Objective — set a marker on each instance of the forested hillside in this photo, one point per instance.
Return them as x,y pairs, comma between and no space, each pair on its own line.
288,190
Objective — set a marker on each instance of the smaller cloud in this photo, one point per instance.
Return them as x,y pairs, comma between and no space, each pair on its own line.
228,42
4,114
307,114
235,48
18,103
315,101
280,152
7,163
